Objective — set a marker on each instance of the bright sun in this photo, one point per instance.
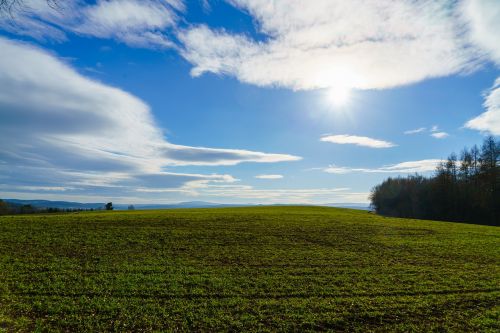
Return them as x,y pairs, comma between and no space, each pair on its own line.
339,96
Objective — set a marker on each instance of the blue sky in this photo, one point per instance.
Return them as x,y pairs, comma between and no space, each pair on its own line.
240,101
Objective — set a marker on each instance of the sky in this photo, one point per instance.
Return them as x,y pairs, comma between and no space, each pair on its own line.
240,101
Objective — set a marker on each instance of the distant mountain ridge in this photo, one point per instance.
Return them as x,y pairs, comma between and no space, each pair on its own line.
186,204
55,204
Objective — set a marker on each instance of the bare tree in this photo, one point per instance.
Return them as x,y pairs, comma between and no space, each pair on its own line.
9,7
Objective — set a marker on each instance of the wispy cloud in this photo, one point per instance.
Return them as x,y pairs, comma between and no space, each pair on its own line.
269,176
268,196
489,121
415,131
136,23
437,133
332,43
57,123
357,140
440,135
186,155
352,44
403,167
483,25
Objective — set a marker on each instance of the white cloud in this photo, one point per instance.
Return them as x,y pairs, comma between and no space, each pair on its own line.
357,140
415,131
62,126
489,121
185,155
413,166
403,167
483,18
269,176
440,135
435,132
360,44
245,193
335,43
136,23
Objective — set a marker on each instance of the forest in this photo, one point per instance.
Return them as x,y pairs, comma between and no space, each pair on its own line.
464,188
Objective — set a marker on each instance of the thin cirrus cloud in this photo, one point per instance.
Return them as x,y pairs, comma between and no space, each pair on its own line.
482,18
57,124
403,167
289,195
415,131
357,140
435,132
269,176
135,23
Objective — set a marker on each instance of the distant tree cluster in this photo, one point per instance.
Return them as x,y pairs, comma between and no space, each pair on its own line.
464,189
9,208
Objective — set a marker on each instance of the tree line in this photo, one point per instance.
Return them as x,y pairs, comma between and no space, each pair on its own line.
464,188
9,208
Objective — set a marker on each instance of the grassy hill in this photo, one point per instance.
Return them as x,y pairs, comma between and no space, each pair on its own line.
241,269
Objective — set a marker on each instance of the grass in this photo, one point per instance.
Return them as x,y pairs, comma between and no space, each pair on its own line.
246,269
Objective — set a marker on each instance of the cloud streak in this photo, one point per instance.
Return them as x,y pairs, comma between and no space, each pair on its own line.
440,135
403,167
82,131
415,131
269,176
290,195
362,141
483,25
136,23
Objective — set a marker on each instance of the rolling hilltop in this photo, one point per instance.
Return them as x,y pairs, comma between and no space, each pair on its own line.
246,269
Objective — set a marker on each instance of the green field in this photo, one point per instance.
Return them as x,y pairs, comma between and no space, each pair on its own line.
246,269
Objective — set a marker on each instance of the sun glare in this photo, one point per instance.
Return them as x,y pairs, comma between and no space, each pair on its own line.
339,96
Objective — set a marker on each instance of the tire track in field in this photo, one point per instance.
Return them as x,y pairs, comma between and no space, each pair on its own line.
265,296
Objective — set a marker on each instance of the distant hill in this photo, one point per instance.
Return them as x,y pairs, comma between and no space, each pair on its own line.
55,204
186,204
79,205
360,206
